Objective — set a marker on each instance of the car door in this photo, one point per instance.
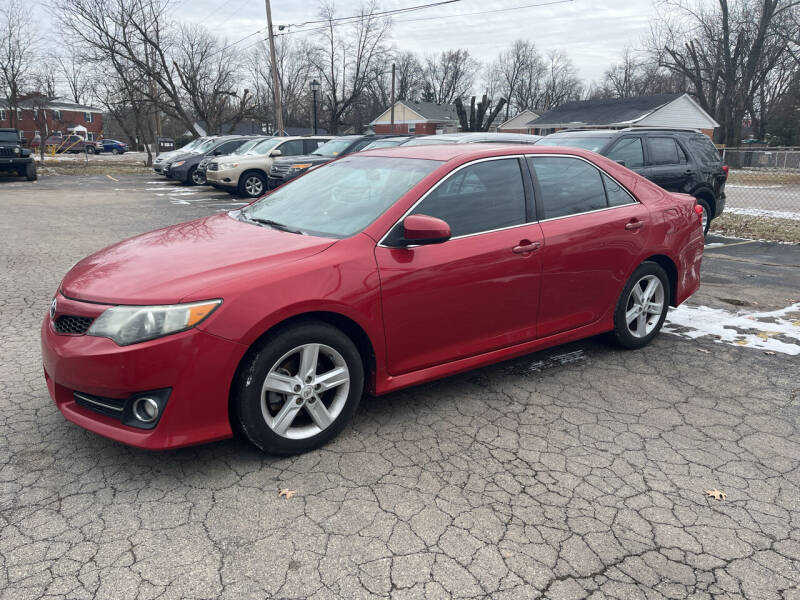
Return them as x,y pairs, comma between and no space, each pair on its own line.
479,290
594,231
667,164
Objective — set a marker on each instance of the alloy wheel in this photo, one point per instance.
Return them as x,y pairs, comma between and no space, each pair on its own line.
198,178
644,307
305,391
253,186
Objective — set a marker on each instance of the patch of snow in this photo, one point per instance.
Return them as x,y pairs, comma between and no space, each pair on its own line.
714,245
751,330
741,186
760,212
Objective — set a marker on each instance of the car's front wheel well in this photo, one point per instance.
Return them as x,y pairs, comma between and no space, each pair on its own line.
344,324
665,262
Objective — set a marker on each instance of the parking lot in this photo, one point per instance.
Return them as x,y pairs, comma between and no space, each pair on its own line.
575,472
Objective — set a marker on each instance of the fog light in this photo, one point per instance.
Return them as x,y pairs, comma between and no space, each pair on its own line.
145,409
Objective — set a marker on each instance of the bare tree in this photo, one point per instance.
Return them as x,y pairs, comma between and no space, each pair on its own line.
513,70
477,119
449,75
17,56
73,68
561,82
345,56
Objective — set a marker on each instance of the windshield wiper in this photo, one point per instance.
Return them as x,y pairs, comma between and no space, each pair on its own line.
273,224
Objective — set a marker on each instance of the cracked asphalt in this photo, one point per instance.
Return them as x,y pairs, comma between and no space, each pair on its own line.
577,472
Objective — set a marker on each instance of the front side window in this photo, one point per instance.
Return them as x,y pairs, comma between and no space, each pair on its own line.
568,186
628,151
265,147
341,198
481,197
291,148
228,147
664,151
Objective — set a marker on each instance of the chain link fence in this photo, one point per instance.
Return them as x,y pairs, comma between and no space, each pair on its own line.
763,179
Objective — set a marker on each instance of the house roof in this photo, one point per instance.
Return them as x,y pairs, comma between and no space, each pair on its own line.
519,121
603,111
428,111
51,103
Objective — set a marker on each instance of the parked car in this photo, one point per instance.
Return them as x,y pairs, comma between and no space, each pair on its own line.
679,160
162,159
381,270
183,167
71,144
15,158
286,169
202,167
112,146
246,174
474,137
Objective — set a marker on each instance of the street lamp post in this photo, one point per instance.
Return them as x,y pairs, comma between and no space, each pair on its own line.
314,85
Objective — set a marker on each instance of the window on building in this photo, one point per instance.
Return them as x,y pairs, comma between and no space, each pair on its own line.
87,116
57,114
412,127
90,136
2,114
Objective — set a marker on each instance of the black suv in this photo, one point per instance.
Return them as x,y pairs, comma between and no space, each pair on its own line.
15,158
285,169
679,160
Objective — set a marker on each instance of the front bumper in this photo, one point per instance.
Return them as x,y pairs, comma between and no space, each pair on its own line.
198,368
159,168
222,178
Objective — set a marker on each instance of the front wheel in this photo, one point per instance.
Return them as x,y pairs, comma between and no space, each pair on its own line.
252,185
198,177
298,389
114,151
642,306
30,172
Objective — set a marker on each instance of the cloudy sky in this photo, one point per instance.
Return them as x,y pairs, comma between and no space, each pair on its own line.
593,32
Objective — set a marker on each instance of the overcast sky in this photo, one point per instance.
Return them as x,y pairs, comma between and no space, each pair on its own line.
592,32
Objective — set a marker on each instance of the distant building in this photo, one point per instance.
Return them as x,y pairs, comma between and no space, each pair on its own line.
419,118
518,123
59,116
663,110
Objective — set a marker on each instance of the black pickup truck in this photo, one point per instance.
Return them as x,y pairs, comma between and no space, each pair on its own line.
15,158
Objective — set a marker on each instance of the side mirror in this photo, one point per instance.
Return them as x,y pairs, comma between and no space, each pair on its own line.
422,229
275,153
622,162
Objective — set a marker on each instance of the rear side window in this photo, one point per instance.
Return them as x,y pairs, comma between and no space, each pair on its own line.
664,151
310,145
481,197
629,151
616,194
568,186
705,150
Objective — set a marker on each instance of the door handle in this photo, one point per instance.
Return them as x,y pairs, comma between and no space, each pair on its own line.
634,225
525,248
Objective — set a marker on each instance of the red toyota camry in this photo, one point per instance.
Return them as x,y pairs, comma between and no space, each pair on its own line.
375,272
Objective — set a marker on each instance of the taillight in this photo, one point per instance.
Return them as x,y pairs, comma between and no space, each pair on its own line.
725,170
699,210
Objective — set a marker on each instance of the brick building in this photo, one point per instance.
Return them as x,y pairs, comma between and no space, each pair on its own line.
38,114
419,118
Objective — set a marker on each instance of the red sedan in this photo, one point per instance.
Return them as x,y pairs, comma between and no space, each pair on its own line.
375,272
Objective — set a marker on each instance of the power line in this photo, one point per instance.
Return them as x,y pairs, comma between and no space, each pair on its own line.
375,14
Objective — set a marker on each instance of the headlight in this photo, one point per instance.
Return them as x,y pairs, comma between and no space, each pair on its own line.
132,324
16,150
224,166
301,166
178,164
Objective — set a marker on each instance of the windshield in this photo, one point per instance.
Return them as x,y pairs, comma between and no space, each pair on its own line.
593,142
429,140
263,146
342,197
388,143
8,136
192,145
244,148
205,146
333,148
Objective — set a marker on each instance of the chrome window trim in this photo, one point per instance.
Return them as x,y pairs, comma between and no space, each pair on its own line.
517,156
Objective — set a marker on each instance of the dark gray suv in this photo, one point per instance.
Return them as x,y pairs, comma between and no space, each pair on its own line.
679,160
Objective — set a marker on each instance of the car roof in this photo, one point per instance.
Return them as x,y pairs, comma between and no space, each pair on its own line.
446,152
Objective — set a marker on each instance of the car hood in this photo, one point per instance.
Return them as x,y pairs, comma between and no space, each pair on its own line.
167,265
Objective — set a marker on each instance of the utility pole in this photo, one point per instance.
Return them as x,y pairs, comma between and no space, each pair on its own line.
392,110
275,82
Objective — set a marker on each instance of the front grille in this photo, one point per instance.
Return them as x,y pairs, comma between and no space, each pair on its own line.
72,324
212,166
112,407
7,151
279,169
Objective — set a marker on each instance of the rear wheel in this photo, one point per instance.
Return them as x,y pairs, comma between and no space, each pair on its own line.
252,184
298,389
114,151
642,306
706,217
90,150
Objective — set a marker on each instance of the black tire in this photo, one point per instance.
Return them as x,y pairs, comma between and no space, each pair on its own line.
247,186
246,398
706,213
190,176
30,172
622,333
90,150
197,177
